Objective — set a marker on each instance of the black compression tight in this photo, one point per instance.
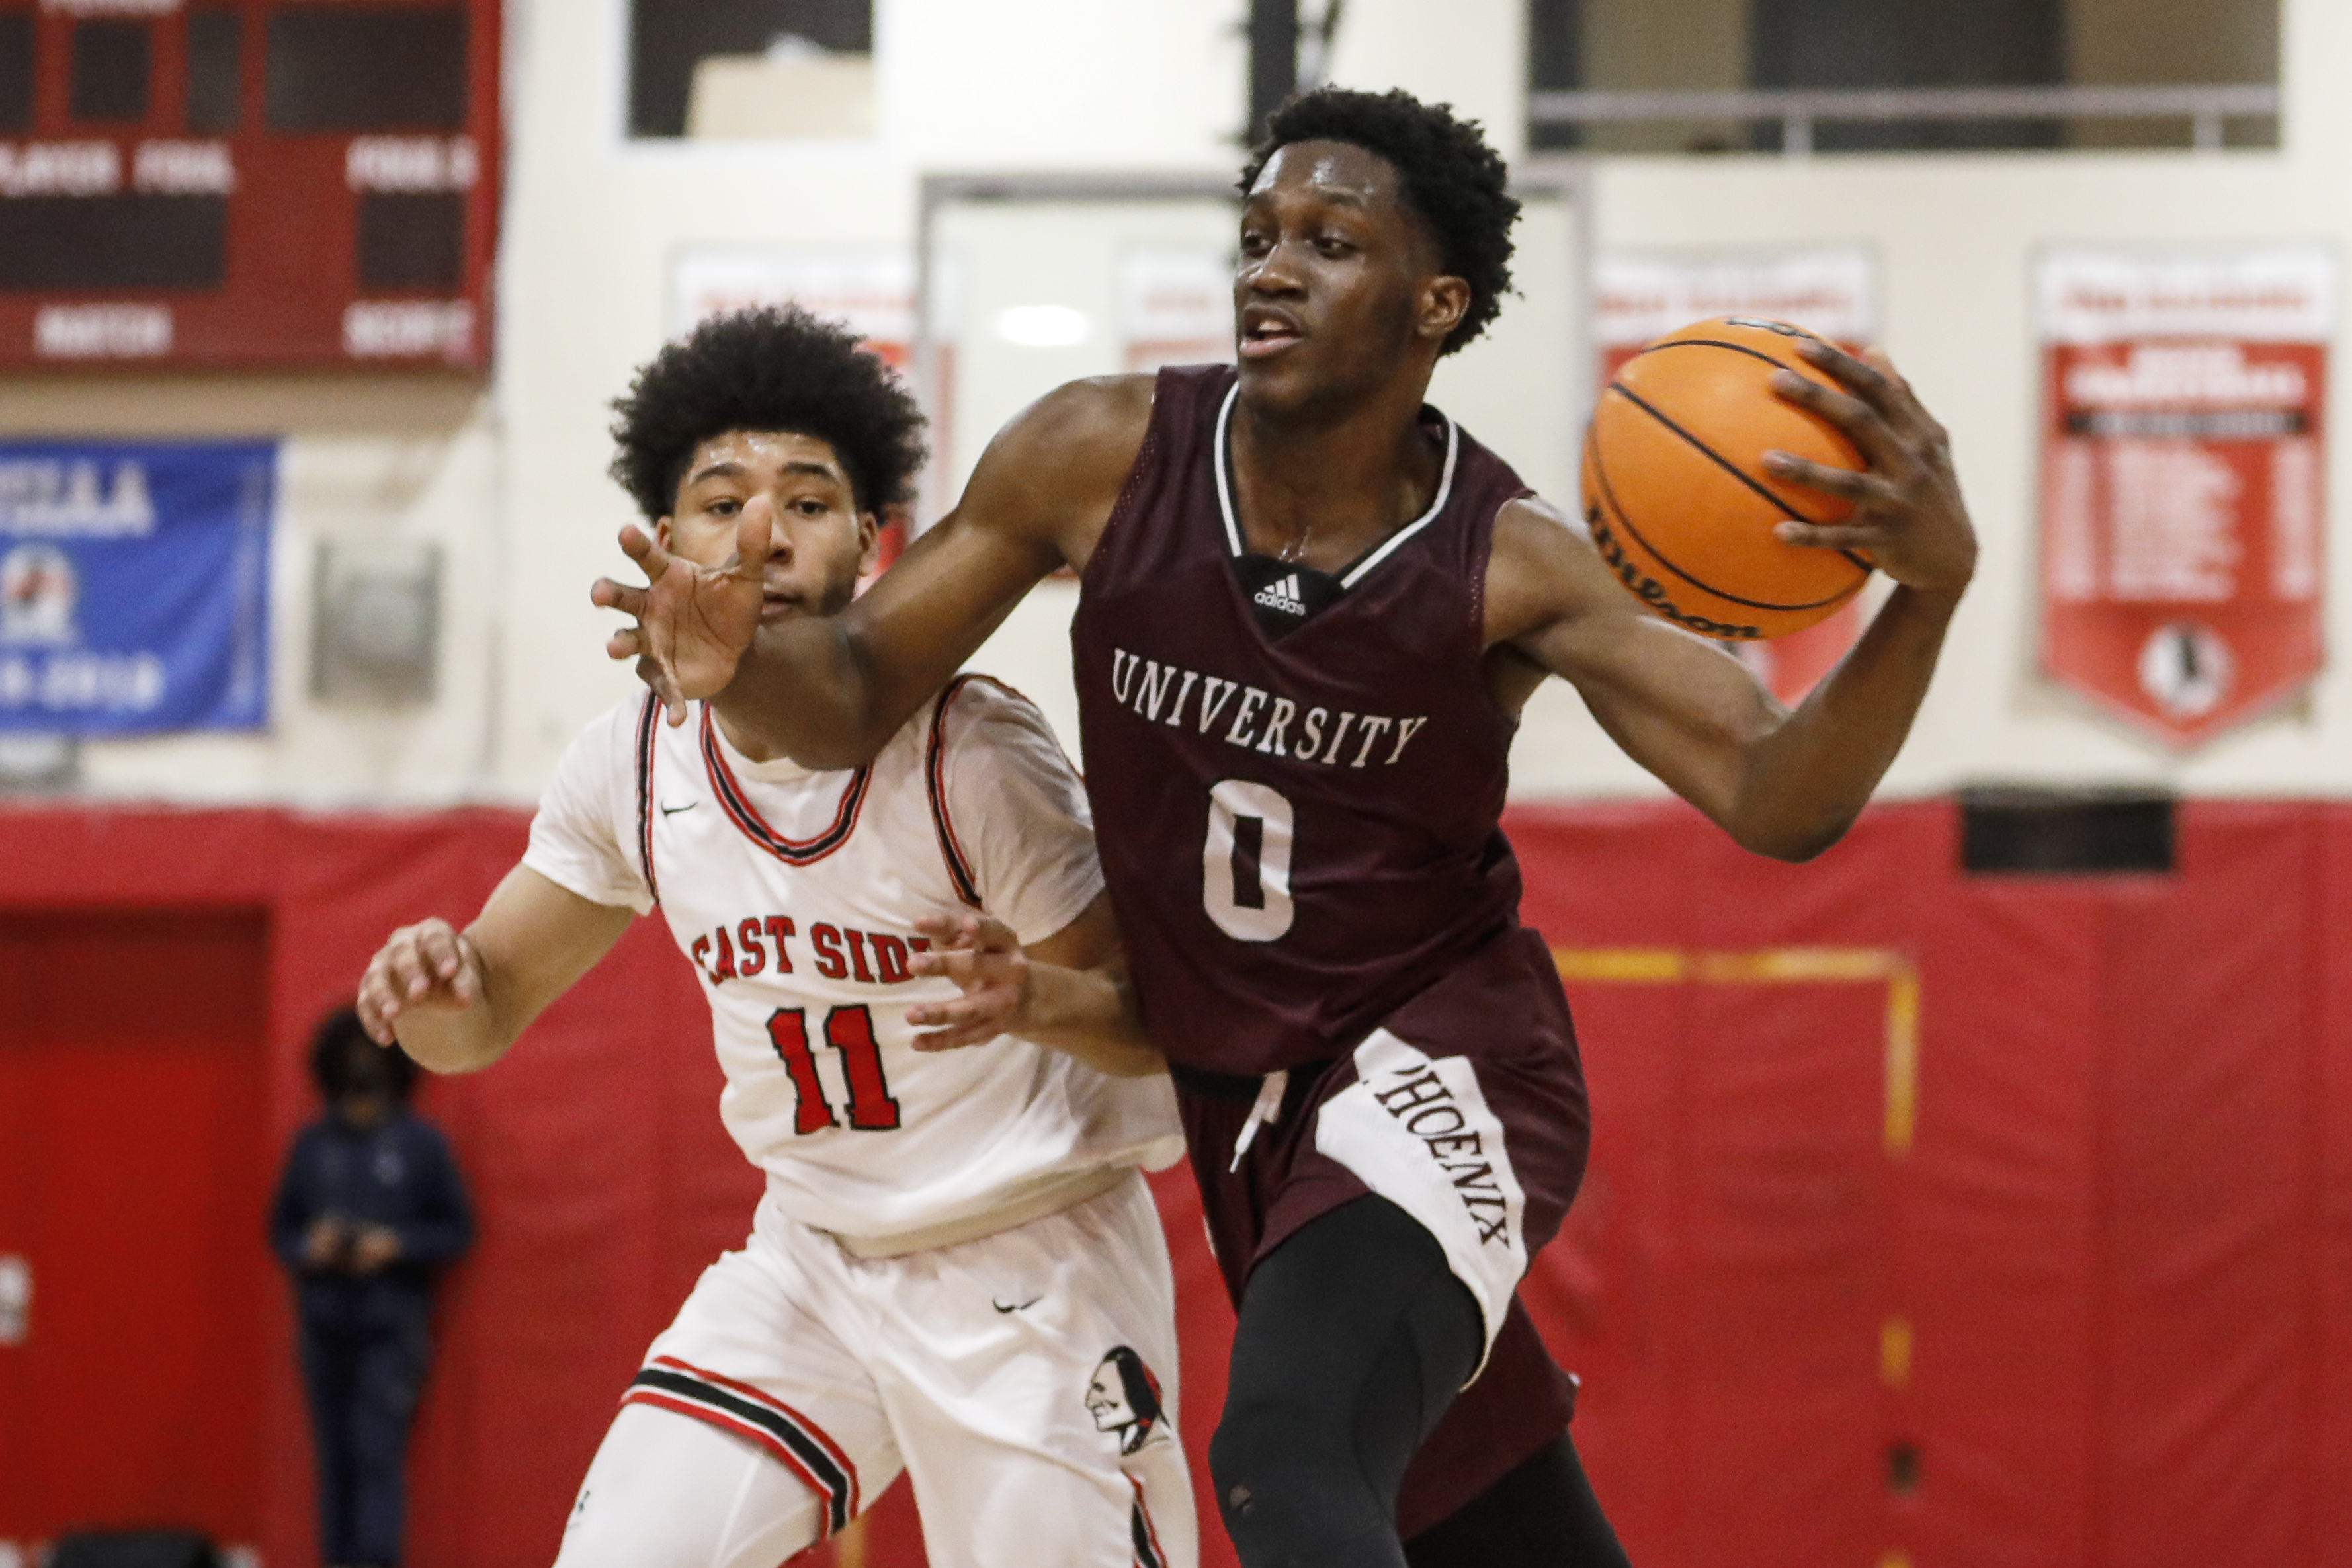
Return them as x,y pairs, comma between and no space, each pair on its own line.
1353,1339
1542,1515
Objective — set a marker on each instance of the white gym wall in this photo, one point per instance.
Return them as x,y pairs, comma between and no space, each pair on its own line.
509,476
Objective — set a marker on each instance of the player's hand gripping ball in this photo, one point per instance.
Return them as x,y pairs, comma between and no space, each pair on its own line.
1678,497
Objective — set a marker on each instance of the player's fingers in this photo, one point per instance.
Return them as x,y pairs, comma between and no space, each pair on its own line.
948,931
1859,421
436,948
626,643
1814,536
645,550
606,594
950,1025
982,974
656,679
464,978
755,537
954,1038
1879,360
370,1006
1873,378
943,963
1866,490
1932,442
993,936
971,1007
955,1012
1872,383
409,978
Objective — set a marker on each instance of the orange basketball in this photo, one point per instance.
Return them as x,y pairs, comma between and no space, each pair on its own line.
1678,496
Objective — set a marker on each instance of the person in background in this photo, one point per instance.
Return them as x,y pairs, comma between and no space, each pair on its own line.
368,1210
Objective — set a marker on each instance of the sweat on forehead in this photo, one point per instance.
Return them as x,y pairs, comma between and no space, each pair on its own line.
788,452
1336,168
763,457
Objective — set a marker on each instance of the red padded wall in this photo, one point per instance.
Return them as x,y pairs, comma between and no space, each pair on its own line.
2105,1293
2117,1239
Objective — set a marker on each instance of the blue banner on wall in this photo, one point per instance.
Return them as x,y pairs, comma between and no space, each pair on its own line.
134,585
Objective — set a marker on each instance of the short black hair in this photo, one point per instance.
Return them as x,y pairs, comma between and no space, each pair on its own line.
335,1043
1447,174
773,368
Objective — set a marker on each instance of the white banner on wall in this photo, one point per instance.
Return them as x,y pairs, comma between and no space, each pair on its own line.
1176,306
872,292
1638,296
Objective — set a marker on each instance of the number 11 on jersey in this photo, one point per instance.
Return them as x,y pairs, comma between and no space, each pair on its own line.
850,1032
1245,864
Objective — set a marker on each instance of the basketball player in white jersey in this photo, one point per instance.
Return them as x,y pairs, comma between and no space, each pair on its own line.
954,1243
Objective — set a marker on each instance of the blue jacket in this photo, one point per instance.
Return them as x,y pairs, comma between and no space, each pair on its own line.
399,1175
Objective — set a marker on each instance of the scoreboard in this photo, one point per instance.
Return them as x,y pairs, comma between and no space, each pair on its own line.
247,183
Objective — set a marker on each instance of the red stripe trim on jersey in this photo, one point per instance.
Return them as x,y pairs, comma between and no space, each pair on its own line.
935,784
824,1439
738,806
1148,1552
829,1518
791,1439
648,731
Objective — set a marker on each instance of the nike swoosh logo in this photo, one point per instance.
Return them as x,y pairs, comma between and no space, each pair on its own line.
1021,1306
674,811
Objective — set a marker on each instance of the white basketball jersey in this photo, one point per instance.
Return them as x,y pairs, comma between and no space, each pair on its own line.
795,894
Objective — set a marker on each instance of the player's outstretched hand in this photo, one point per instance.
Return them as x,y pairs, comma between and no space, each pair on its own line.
985,960
429,965
693,622
1907,512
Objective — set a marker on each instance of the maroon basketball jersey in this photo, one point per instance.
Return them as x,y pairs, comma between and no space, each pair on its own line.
1299,833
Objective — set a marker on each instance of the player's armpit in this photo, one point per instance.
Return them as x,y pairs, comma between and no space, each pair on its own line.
532,940
831,693
1680,706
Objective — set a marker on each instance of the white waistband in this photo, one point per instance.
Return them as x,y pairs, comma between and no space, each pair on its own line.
1050,1193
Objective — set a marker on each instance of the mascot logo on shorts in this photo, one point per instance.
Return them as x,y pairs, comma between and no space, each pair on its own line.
1124,1397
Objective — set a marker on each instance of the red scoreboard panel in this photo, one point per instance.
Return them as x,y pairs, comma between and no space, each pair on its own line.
250,183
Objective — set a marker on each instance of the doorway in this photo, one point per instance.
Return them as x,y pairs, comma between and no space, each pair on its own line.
133,1183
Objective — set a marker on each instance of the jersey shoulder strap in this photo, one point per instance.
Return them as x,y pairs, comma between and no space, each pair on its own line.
960,870
648,732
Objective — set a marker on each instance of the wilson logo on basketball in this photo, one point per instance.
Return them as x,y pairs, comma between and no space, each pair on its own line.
1652,592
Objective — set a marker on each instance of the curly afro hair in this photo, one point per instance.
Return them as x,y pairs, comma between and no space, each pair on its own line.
775,368
1448,175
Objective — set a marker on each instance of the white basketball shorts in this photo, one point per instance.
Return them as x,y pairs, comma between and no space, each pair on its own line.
1025,1381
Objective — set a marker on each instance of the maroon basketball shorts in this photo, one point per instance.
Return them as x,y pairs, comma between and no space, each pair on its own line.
1466,1108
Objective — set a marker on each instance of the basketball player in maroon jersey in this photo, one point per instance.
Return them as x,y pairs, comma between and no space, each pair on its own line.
1311,610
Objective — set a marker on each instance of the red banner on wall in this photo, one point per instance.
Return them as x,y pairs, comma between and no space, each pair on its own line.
2182,481
1639,296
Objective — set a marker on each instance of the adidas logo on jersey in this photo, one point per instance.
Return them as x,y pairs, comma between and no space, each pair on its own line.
1283,596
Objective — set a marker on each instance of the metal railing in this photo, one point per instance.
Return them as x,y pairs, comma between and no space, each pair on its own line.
2205,106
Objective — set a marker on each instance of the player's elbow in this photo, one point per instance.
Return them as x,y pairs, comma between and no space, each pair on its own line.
1793,840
